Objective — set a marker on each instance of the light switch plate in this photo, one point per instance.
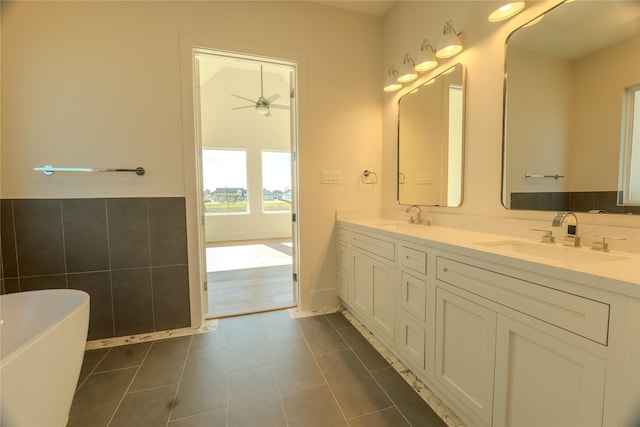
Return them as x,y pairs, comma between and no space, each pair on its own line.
424,178
331,177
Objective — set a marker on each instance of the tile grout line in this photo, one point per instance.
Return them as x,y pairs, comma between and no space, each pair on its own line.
442,410
129,386
92,371
184,366
393,403
284,410
315,359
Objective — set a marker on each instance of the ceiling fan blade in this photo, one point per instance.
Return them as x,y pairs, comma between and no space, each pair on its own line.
240,108
246,99
279,107
261,83
273,97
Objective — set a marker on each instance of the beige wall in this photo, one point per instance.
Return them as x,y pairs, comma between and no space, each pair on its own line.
404,26
100,84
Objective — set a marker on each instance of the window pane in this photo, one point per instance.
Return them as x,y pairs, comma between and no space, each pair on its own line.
276,181
224,175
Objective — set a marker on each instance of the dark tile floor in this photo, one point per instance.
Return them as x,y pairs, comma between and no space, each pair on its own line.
259,370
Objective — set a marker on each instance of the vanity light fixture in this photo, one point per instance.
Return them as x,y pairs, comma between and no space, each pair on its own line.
450,44
426,59
391,82
506,10
407,72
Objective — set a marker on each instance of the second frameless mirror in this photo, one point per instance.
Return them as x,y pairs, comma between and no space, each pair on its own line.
430,141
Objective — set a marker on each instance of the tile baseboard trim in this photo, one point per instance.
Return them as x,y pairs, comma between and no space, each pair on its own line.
209,326
296,313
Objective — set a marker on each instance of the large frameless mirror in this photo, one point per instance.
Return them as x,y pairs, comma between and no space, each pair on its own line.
572,115
430,141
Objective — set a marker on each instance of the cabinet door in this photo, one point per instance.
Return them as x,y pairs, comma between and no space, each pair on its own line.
373,291
343,286
413,295
383,298
410,340
362,283
543,381
465,351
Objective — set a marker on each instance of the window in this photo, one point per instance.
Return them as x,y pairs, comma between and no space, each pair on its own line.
224,175
276,182
630,148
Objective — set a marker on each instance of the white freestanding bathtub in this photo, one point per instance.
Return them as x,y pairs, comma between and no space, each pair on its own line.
42,341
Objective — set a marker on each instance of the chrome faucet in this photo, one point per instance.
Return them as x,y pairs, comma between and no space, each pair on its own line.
571,239
418,219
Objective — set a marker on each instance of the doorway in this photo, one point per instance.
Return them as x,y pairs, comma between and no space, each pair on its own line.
246,114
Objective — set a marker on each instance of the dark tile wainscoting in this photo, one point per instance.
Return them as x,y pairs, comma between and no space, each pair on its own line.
578,201
129,254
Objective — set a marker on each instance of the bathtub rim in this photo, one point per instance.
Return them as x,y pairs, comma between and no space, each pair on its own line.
23,346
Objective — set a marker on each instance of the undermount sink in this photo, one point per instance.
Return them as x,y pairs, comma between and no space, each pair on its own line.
401,226
555,252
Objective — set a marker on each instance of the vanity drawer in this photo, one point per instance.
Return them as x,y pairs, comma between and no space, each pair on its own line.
582,316
383,248
413,259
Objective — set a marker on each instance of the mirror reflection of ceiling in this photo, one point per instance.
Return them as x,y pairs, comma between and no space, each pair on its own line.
549,35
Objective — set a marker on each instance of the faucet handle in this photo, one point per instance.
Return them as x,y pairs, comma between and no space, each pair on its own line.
602,245
571,240
547,237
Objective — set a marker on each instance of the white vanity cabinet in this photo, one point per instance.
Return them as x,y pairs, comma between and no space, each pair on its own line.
411,320
373,275
518,352
500,341
541,380
465,351
344,264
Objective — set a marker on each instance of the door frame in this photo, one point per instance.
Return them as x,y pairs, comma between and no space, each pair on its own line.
192,150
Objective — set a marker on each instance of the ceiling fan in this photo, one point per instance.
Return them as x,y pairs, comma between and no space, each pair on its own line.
262,105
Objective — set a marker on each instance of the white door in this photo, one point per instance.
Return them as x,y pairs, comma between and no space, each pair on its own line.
237,116
199,190
294,185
